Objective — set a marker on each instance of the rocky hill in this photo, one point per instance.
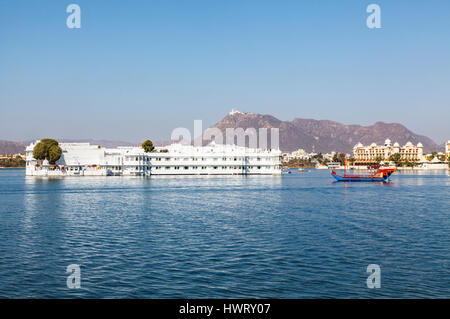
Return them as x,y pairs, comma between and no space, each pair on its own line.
323,135
312,135
8,147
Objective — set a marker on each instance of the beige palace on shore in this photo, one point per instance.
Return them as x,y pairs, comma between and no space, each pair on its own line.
368,154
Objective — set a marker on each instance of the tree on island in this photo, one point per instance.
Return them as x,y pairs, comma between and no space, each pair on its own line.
148,146
48,149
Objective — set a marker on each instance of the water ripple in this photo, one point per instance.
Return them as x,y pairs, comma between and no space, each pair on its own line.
296,236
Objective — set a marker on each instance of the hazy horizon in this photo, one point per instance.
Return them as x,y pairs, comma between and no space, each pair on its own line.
189,126
138,70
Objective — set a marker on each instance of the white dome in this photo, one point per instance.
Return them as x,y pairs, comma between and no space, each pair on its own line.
358,145
396,144
419,144
409,144
387,142
373,145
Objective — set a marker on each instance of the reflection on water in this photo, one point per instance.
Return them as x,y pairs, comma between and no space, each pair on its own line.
418,171
295,236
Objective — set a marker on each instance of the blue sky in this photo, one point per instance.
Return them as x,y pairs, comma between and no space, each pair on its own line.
139,69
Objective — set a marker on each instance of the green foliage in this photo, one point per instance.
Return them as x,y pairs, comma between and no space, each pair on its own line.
54,153
12,162
297,162
339,157
379,159
396,158
319,158
39,151
148,146
47,149
407,163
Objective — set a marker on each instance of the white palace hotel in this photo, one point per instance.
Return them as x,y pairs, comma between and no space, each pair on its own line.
84,159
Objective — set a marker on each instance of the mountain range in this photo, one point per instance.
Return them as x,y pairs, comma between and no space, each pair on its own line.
9,147
324,135
311,135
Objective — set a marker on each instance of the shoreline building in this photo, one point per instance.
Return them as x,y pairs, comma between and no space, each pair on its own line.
84,159
368,154
303,155
298,154
12,156
447,150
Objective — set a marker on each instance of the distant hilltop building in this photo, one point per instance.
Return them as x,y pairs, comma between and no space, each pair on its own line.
234,111
84,159
369,154
237,112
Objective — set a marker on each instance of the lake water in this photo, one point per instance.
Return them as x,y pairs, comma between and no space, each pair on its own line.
295,236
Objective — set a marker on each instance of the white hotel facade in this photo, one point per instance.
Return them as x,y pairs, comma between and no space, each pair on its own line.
84,159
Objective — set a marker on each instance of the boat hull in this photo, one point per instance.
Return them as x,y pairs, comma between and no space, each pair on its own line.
359,178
